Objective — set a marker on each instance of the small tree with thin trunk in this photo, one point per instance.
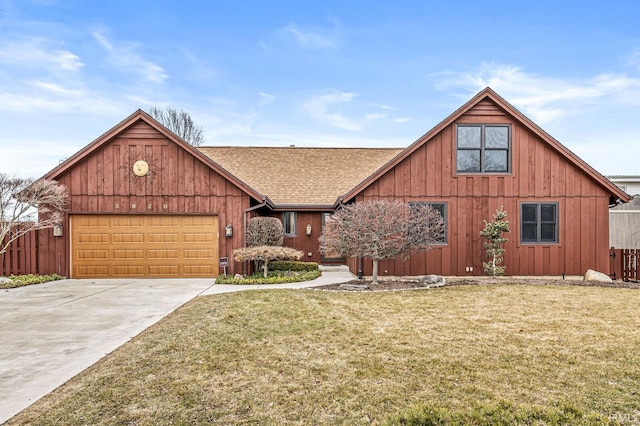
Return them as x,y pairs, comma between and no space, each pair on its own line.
265,254
27,205
264,231
382,229
493,233
180,123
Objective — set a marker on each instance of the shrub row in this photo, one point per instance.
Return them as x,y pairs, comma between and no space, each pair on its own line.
275,277
503,413
285,265
24,280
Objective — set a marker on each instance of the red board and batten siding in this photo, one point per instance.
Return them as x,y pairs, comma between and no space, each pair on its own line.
307,244
539,174
177,183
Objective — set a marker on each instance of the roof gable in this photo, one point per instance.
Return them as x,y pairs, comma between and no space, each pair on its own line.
489,100
133,124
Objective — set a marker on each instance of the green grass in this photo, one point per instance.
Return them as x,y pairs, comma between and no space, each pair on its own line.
456,355
24,280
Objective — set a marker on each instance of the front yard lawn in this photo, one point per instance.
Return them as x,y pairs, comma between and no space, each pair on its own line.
318,357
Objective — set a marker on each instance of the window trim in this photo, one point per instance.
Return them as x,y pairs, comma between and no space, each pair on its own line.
285,222
445,217
483,148
539,222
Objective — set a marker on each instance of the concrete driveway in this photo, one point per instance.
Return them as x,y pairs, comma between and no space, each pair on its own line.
51,332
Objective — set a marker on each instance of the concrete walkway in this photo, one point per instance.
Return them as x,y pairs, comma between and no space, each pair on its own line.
53,331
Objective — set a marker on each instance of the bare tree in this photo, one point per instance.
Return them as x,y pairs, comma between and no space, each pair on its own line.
266,253
265,231
180,123
382,229
26,205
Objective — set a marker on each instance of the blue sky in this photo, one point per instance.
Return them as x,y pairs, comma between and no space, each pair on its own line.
316,73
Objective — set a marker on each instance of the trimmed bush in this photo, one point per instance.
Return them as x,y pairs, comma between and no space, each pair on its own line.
274,277
266,254
264,231
284,265
24,280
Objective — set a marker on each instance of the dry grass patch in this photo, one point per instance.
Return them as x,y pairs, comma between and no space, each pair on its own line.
312,357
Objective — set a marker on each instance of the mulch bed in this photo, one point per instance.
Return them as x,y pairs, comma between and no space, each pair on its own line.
408,284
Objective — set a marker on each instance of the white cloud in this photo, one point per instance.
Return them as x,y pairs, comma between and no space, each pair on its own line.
318,107
106,44
221,120
309,39
374,116
38,52
265,99
56,88
545,99
200,67
339,109
125,57
634,59
44,95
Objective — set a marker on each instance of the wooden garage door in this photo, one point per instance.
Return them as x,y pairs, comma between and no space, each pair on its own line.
144,246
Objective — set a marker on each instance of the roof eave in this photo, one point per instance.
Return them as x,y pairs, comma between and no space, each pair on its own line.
416,144
302,207
124,124
518,116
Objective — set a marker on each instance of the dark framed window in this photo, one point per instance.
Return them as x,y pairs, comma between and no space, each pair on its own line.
289,224
440,208
483,148
539,223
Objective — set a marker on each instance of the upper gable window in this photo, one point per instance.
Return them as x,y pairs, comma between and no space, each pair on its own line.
483,148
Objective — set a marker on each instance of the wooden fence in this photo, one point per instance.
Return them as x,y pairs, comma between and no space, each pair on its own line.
22,255
37,252
624,264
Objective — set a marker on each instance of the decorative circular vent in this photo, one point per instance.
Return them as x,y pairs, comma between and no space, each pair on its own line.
140,168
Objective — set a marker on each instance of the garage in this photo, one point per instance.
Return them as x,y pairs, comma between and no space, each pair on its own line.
151,246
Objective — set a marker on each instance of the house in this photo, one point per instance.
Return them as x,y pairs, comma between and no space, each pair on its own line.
624,225
624,219
629,184
144,203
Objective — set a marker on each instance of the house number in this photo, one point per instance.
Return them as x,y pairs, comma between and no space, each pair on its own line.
165,206
117,206
149,206
133,206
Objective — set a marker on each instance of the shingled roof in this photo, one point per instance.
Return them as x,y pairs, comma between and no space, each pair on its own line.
297,176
